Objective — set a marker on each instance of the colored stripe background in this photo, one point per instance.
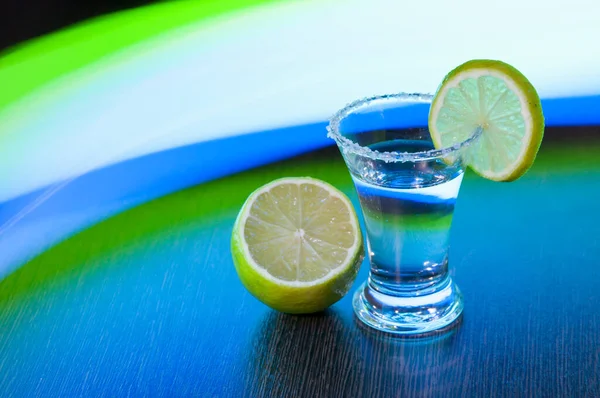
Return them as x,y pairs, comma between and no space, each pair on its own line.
128,107
113,284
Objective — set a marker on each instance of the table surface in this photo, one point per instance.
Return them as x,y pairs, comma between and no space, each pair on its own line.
148,303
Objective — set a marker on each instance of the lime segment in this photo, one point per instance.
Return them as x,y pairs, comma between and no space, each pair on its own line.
498,98
297,244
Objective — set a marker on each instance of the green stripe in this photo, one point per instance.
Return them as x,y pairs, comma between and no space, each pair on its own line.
399,222
25,67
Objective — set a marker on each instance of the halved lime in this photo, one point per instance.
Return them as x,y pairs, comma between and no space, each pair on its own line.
498,98
297,245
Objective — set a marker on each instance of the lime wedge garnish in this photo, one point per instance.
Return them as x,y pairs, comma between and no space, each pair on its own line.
498,98
297,245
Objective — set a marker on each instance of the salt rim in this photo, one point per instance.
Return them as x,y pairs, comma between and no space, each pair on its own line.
390,157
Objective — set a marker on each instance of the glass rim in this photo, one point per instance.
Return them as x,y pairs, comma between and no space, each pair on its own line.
417,98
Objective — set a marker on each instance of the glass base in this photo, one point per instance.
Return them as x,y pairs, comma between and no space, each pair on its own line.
409,315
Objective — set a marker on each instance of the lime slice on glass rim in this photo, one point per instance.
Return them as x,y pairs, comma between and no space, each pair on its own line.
497,98
297,244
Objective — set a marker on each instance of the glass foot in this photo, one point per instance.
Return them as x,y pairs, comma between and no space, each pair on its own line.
409,315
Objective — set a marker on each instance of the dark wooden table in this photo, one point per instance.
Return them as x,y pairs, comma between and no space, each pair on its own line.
148,303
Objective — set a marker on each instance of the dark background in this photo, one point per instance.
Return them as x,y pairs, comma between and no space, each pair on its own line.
25,19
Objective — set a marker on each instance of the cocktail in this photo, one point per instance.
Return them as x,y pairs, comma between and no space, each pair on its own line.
407,191
486,115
